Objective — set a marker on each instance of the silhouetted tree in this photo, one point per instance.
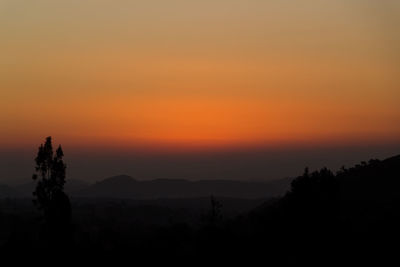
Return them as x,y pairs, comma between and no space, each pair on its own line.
49,193
214,215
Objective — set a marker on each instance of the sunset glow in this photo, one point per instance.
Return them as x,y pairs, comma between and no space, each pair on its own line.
191,74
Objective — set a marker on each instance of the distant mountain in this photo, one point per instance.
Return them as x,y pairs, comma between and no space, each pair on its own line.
71,185
124,186
121,185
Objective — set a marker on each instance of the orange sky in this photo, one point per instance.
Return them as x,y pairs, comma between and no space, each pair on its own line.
199,73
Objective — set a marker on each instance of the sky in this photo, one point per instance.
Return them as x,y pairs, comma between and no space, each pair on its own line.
197,80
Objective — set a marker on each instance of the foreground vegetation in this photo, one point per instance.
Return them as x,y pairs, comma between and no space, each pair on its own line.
325,217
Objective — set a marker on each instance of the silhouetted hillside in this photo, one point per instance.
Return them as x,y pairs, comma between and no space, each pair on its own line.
126,187
376,180
325,218
352,214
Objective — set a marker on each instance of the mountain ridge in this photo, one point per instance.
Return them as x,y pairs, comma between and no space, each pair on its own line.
124,186
128,187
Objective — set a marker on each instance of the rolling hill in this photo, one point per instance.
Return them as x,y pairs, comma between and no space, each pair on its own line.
124,186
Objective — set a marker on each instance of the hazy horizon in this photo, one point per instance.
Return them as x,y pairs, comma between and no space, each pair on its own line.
257,164
198,89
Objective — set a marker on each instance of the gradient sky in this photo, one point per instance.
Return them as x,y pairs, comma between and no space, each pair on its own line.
199,75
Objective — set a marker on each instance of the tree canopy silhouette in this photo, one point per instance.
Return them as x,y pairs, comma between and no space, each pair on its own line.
49,193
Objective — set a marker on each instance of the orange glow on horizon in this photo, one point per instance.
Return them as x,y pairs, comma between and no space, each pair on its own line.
198,124
196,76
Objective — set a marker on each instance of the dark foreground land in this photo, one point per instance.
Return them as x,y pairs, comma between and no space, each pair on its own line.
348,217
